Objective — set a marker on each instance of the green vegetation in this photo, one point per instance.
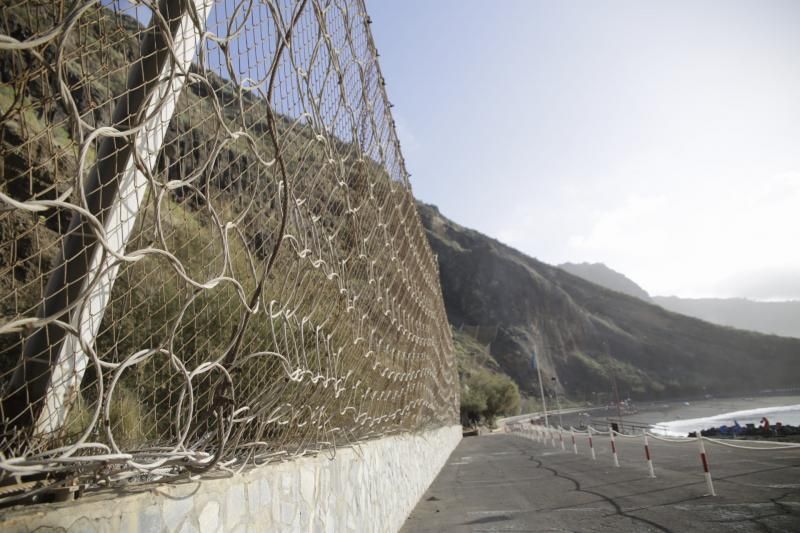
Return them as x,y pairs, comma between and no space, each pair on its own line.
331,342
484,396
486,393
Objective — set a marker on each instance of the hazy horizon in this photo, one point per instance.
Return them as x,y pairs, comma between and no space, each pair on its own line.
659,139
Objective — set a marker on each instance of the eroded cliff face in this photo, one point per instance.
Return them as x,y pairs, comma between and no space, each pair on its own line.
584,334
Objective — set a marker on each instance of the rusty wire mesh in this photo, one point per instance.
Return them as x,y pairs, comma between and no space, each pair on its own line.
209,252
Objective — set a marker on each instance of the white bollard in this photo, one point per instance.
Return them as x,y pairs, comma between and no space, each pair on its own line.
574,445
552,437
591,446
561,437
614,449
706,471
647,455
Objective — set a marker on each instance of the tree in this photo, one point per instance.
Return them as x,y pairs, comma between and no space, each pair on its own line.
485,395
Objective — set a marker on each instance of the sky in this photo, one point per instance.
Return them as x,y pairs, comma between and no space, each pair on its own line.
660,138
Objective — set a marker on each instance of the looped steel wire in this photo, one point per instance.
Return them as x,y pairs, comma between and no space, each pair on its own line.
276,295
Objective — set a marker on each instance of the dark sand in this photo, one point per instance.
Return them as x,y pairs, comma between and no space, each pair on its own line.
665,411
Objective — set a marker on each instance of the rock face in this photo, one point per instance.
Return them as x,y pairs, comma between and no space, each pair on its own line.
772,318
600,274
586,335
776,318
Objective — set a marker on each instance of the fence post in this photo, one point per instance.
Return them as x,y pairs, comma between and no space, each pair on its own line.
706,470
53,361
647,454
614,448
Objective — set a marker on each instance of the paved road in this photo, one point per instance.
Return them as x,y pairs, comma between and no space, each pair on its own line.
504,482
567,416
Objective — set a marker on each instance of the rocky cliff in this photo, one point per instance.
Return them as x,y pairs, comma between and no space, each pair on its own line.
587,335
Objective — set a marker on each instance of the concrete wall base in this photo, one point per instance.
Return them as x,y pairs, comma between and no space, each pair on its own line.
369,488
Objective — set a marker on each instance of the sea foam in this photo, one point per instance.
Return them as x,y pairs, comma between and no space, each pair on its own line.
786,414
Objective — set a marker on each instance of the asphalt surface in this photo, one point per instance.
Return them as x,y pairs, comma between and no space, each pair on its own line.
503,482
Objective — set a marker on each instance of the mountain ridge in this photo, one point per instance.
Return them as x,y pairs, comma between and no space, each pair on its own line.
587,335
603,275
771,318
774,318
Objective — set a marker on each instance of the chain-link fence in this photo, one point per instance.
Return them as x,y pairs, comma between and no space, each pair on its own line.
209,252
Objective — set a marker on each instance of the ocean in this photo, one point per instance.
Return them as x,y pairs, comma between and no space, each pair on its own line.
786,414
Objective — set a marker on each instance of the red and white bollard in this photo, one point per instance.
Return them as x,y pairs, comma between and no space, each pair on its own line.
561,437
552,437
706,471
574,445
591,446
647,455
614,449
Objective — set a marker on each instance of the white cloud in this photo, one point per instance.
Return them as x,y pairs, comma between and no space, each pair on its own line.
701,239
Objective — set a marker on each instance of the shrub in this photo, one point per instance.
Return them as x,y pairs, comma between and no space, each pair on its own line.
485,395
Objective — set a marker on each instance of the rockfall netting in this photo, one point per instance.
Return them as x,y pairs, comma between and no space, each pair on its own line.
210,255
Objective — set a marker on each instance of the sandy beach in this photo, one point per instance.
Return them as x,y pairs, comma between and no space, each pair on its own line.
655,412
652,413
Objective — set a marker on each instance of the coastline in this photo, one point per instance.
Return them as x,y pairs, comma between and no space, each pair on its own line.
676,417
657,412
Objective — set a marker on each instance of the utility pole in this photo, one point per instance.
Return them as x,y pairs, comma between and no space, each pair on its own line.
558,403
615,390
616,395
541,386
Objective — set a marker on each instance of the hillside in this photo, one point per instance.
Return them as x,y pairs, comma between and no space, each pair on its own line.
777,318
600,274
272,248
584,333
772,318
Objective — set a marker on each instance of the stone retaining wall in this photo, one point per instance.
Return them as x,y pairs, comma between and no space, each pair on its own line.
372,487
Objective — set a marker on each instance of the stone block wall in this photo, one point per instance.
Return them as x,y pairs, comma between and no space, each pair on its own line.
372,487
